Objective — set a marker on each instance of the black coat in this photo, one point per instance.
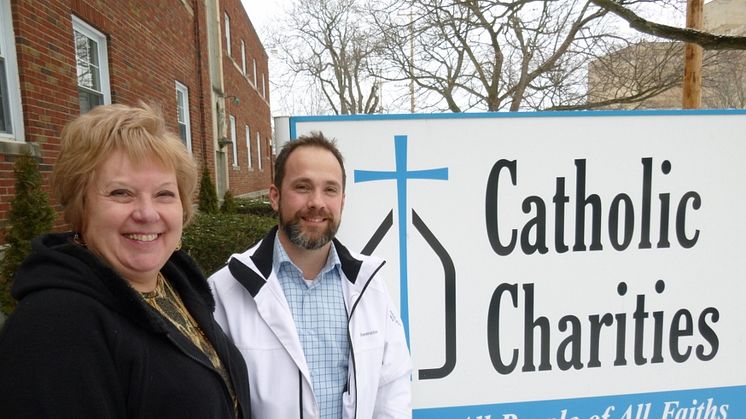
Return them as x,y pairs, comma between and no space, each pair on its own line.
83,344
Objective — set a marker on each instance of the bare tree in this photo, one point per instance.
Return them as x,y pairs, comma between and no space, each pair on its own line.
470,55
641,75
327,47
724,85
493,55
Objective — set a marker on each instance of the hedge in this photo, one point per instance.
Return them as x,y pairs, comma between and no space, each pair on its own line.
260,207
211,238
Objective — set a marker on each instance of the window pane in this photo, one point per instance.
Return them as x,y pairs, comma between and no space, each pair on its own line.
180,106
233,140
183,132
81,47
93,51
89,100
95,78
258,151
5,125
86,51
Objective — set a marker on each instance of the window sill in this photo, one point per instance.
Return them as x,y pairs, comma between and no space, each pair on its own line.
10,147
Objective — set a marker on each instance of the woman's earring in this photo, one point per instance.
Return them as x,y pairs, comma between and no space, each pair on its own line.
178,245
79,240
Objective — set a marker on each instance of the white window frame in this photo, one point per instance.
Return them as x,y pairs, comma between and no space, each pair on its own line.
243,57
180,88
248,146
254,60
234,146
12,83
259,151
227,33
103,54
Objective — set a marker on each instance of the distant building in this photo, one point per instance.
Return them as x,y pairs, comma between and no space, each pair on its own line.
653,71
725,17
201,61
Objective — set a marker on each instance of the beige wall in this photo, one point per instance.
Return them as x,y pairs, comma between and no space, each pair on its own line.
727,17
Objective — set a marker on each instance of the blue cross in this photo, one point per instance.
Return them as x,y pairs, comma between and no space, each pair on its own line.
401,175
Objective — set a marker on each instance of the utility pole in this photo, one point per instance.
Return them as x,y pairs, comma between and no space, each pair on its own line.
411,59
692,89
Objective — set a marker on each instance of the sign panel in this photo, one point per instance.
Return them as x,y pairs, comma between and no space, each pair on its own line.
558,265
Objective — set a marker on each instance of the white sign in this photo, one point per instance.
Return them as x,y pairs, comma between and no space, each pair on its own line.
558,265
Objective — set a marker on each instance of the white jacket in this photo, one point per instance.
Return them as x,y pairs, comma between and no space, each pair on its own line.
252,309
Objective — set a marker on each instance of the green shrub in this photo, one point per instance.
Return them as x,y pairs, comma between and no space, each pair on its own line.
30,215
229,203
211,238
254,206
208,197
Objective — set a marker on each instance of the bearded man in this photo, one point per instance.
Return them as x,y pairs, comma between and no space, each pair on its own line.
313,321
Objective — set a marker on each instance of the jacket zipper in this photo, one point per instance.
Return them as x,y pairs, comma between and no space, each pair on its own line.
300,393
349,335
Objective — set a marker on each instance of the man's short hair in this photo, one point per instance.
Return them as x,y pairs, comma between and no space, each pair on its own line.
314,139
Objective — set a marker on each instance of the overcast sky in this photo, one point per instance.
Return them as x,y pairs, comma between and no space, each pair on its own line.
260,11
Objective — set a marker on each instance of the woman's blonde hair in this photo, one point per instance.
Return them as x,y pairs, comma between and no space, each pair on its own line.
140,132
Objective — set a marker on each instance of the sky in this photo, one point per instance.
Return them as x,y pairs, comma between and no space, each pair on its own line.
260,11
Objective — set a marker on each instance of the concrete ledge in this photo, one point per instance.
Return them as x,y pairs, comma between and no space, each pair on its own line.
19,148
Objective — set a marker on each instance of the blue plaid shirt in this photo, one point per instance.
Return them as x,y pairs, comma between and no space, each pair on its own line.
321,321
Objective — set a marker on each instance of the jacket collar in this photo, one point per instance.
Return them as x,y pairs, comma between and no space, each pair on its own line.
263,254
57,262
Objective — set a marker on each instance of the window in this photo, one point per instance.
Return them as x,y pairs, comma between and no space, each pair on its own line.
243,58
248,145
11,120
254,59
228,33
264,87
182,115
92,64
233,141
258,151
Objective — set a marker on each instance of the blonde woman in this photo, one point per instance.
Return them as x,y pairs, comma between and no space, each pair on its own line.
113,320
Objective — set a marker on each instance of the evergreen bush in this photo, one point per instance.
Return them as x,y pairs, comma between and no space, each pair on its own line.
211,238
254,206
30,215
229,203
208,197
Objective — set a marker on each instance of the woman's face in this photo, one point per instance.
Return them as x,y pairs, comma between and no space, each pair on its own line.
133,217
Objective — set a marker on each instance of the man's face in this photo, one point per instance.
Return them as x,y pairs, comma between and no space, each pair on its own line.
310,199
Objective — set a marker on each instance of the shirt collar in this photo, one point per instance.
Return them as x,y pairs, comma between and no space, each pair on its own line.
281,258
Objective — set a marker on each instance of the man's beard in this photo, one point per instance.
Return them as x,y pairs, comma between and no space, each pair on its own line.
294,230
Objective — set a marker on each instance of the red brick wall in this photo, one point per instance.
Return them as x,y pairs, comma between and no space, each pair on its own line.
253,109
45,58
150,46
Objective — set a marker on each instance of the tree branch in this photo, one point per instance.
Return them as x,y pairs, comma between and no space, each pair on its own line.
704,39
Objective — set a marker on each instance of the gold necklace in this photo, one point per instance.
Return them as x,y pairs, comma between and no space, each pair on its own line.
157,291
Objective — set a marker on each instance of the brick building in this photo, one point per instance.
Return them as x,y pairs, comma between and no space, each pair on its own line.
200,61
